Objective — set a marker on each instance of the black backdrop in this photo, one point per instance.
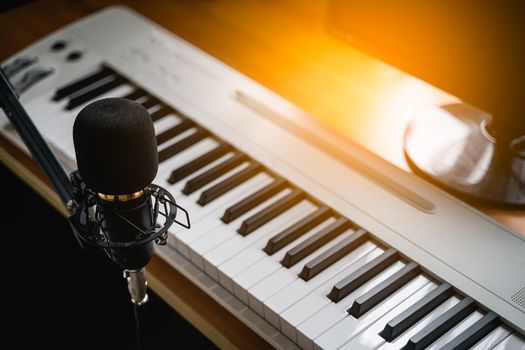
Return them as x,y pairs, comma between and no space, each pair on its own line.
57,296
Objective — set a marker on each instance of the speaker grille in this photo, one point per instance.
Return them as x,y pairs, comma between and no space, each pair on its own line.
519,298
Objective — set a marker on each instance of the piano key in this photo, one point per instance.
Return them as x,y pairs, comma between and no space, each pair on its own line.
195,151
453,333
183,144
199,181
514,341
492,339
348,327
253,255
164,124
236,243
161,112
416,312
209,214
302,250
220,231
91,94
150,101
369,300
281,278
401,341
296,230
82,83
310,304
474,333
193,197
298,289
260,218
175,130
199,162
441,325
135,94
229,183
333,313
314,267
263,268
253,200
369,338
353,281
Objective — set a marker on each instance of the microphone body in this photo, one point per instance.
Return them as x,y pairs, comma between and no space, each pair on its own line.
117,159
127,222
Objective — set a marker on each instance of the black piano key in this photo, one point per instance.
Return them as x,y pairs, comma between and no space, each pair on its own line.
175,130
313,243
441,325
183,144
323,261
94,93
150,102
416,312
135,94
229,183
215,172
297,230
383,290
474,333
362,275
253,200
161,112
198,163
257,220
81,83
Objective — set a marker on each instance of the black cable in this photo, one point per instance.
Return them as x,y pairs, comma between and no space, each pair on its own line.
140,345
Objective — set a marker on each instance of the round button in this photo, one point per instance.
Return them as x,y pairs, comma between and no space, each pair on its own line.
59,45
74,56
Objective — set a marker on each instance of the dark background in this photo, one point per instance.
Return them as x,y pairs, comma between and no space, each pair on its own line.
59,296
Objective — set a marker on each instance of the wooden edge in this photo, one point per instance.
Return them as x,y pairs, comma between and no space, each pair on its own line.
198,308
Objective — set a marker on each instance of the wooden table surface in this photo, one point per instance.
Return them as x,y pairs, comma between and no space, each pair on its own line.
283,45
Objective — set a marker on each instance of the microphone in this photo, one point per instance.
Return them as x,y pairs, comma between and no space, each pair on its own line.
117,158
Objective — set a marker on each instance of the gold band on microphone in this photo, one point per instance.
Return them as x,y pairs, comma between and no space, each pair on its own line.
120,197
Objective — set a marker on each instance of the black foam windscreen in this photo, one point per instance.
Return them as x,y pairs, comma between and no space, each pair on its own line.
115,146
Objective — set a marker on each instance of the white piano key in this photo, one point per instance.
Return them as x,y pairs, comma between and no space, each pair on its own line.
350,326
299,288
332,313
211,214
492,339
284,276
166,123
514,341
237,243
268,265
317,300
248,257
219,232
401,341
456,330
370,338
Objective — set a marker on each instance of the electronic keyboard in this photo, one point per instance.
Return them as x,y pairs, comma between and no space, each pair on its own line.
310,240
